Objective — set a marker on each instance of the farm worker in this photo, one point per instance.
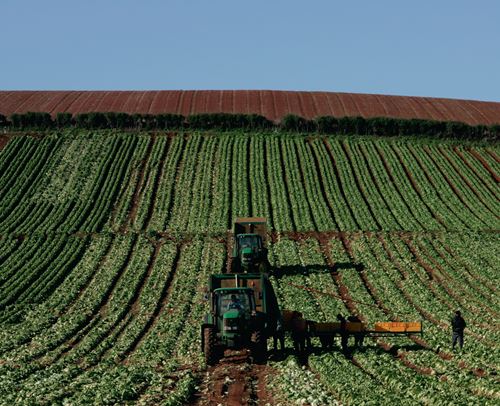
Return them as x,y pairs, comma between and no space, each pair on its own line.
279,334
299,331
358,336
343,332
458,325
234,303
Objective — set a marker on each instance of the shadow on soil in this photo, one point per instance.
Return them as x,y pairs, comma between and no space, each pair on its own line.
289,270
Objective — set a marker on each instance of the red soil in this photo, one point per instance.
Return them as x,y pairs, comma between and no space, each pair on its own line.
3,141
234,381
272,104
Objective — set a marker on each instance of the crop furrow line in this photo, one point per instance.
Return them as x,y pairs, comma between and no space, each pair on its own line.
434,186
466,181
286,186
464,293
156,184
139,187
417,190
453,187
396,186
360,188
162,303
485,164
474,170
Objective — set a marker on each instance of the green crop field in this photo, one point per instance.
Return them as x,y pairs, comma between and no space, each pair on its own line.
107,240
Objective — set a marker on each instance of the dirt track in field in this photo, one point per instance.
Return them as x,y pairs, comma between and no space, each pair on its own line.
234,381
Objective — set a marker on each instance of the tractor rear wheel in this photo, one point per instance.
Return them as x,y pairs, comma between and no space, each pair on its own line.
259,347
209,345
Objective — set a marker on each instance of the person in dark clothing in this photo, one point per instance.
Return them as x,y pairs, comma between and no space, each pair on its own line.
458,325
343,333
279,334
299,332
358,336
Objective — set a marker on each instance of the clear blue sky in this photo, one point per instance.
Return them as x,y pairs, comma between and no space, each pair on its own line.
442,48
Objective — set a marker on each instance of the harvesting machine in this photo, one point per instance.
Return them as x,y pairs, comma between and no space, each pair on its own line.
244,311
249,245
243,314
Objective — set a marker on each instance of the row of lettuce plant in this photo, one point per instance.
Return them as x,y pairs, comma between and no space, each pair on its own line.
201,182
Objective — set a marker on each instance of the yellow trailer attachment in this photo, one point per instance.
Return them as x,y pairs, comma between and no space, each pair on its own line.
399,327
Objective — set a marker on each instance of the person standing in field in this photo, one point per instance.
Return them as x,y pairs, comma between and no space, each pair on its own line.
458,325
343,333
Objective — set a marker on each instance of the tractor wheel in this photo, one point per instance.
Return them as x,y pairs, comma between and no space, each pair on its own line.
209,345
259,347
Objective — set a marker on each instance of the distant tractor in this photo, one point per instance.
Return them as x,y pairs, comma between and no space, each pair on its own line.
243,314
249,245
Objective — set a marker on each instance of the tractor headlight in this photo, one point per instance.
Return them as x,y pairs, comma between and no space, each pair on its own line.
230,324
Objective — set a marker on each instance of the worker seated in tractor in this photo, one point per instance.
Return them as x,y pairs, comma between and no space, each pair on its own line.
248,241
235,303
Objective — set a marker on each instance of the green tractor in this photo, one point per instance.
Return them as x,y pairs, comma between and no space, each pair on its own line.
249,250
243,311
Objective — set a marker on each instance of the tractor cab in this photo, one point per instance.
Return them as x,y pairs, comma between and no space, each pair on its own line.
243,309
250,247
235,314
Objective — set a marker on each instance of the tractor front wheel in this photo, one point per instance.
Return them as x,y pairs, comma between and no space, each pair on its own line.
209,345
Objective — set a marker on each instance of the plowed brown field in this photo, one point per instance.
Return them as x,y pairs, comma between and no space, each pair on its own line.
272,104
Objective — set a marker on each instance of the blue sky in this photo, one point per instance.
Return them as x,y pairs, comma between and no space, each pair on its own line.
438,48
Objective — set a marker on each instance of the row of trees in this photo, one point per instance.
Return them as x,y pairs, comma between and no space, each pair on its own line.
377,126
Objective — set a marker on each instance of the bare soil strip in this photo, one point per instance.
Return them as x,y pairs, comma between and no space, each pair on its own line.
234,381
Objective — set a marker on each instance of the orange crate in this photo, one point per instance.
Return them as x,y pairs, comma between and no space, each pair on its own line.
399,327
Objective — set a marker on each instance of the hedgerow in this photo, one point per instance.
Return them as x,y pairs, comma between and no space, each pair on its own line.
374,126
